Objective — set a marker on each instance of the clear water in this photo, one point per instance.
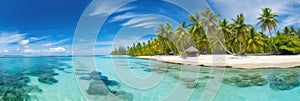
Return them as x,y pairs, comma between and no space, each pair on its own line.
282,84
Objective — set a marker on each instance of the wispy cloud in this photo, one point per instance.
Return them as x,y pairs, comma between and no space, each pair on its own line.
22,44
53,43
125,16
151,24
137,20
107,7
10,37
103,43
48,50
4,51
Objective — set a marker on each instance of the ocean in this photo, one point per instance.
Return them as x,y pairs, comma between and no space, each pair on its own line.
128,78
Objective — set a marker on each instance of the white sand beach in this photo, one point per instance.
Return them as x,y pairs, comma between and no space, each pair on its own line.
245,62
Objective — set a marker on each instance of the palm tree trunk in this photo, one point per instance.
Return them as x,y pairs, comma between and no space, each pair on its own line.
220,42
232,49
183,52
223,45
240,48
272,41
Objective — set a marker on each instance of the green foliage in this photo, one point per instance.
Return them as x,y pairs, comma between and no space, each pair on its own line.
207,32
287,44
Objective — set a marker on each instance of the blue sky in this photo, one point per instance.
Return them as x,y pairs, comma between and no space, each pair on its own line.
46,27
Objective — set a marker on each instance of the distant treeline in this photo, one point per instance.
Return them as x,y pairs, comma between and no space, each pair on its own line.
208,32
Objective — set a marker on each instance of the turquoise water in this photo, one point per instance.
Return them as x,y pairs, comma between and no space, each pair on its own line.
55,79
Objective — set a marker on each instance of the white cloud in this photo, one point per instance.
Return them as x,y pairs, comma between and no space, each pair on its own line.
55,43
47,44
34,38
252,8
24,42
99,43
123,9
14,43
37,38
125,16
107,7
26,46
50,50
8,38
137,20
56,50
4,51
152,24
31,51
60,41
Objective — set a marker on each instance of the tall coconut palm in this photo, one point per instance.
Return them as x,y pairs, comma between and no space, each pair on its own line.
255,41
197,33
226,28
240,29
268,21
209,22
171,38
196,30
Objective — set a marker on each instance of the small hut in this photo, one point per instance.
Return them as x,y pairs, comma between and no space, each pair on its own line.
191,52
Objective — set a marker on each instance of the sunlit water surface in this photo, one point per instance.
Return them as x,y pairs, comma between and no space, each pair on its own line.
53,79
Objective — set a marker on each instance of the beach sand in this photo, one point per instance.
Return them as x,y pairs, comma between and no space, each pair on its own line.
244,62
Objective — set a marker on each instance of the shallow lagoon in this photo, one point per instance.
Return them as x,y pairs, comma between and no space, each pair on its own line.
53,78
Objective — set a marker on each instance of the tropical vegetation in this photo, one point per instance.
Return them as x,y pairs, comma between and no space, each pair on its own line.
212,35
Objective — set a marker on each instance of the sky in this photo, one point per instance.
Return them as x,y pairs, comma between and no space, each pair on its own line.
47,27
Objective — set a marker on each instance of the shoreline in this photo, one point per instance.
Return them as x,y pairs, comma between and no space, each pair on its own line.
231,61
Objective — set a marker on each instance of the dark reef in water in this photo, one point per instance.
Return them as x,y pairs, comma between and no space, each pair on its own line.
14,80
284,81
100,84
276,81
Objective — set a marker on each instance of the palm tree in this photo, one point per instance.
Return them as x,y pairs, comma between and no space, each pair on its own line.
196,30
183,36
171,37
292,31
209,22
286,30
226,28
268,21
162,38
255,41
240,29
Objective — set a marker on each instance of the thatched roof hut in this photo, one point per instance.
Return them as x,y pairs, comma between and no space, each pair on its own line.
192,51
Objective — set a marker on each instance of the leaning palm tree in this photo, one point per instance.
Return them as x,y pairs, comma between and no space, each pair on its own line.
226,28
268,21
182,36
240,29
161,37
171,37
209,22
196,30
